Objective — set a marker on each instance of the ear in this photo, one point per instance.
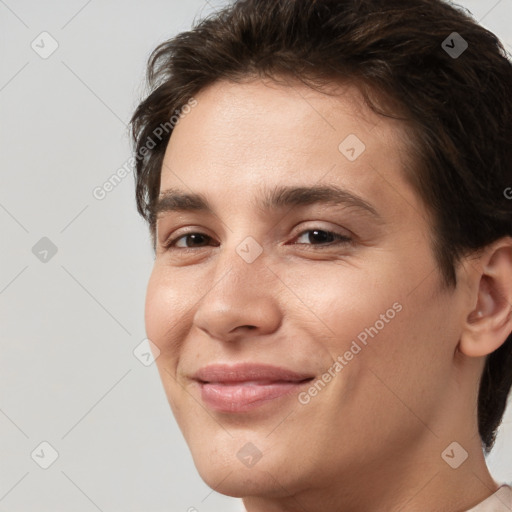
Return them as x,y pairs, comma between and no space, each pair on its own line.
489,323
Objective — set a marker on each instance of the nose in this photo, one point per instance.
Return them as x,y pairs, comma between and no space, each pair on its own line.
241,300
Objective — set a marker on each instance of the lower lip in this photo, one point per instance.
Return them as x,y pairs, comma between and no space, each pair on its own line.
239,397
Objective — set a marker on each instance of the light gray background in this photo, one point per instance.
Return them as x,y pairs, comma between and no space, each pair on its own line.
69,326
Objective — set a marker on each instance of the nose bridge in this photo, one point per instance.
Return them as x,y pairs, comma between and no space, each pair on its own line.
241,294
242,264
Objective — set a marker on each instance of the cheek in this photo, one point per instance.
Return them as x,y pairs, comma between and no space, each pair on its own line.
409,361
369,315
344,302
165,327
165,313
155,308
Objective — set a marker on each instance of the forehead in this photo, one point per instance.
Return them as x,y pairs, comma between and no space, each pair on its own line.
243,136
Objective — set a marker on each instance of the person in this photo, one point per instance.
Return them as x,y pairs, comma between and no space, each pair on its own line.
327,186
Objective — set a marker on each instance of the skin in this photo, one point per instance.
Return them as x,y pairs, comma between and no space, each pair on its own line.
372,438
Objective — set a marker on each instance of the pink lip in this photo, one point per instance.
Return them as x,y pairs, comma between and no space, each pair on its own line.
242,387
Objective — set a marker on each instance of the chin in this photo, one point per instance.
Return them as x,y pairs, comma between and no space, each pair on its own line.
238,482
222,467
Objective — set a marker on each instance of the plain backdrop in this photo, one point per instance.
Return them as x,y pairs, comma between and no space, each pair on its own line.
73,268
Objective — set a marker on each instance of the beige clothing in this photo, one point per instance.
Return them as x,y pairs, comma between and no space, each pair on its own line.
500,501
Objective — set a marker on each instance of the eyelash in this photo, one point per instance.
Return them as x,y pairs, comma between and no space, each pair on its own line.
341,240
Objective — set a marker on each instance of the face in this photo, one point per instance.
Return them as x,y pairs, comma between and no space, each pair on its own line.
293,328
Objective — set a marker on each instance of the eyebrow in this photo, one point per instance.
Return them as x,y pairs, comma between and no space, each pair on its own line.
173,199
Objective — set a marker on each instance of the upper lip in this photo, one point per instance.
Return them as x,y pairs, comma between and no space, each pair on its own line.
243,372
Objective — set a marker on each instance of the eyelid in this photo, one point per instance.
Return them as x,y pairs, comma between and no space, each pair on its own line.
303,226
176,235
340,238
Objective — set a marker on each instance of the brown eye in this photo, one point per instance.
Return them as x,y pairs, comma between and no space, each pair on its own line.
322,237
191,240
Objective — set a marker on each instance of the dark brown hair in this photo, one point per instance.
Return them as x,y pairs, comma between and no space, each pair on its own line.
458,108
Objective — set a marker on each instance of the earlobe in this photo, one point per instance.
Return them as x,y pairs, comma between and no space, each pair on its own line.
489,323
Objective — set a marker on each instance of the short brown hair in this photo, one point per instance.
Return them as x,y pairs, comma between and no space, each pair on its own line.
458,107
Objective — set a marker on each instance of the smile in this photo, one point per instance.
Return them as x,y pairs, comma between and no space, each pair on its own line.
245,386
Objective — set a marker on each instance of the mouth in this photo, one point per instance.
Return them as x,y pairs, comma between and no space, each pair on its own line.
243,387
